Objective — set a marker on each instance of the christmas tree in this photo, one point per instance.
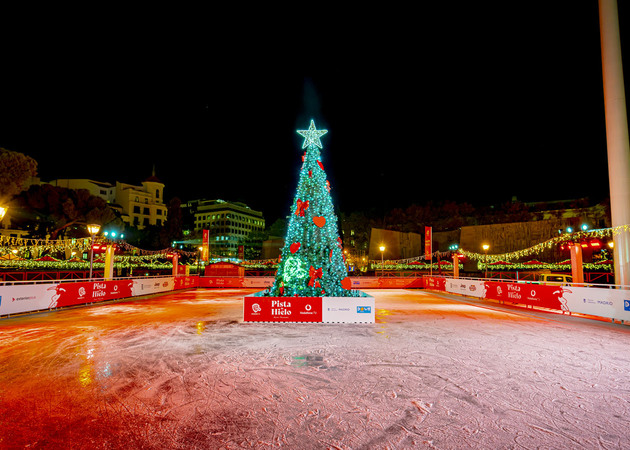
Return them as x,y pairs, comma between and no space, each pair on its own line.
312,262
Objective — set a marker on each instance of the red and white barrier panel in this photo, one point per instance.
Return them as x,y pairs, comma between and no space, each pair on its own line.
309,309
185,282
386,283
34,297
595,301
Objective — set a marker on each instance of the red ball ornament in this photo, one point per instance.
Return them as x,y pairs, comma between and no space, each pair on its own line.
295,247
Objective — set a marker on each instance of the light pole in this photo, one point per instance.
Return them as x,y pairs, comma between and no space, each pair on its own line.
382,249
92,228
485,249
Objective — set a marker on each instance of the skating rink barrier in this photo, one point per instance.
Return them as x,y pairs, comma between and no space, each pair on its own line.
612,303
30,296
609,302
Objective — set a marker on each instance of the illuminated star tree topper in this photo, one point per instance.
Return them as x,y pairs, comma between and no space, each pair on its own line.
312,135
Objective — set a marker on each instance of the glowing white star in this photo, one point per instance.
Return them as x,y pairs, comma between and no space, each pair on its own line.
312,135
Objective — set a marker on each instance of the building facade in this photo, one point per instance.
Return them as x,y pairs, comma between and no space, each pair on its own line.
228,223
138,205
142,205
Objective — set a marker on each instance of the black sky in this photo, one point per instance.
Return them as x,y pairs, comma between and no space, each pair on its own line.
467,103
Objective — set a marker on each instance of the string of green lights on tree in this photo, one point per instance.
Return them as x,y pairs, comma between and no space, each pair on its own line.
312,263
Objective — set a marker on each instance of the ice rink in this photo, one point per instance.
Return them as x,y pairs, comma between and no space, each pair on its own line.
183,371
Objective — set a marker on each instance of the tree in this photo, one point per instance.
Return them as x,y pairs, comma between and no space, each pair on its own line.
172,229
312,263
51,210
15,169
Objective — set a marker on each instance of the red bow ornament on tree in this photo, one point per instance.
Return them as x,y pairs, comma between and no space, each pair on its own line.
301,207
314,274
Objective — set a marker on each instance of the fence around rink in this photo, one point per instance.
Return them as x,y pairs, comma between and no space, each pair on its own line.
31,296
605,301
608,301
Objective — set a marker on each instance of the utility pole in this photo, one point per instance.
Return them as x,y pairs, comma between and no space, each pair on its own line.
616,136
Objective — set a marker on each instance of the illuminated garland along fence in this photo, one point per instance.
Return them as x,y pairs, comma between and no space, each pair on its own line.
412,265
10,243
12,247
548,244
503,261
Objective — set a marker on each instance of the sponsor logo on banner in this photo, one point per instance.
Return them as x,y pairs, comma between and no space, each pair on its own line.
514,291
626,305
591,301
256,307
364,309
21,299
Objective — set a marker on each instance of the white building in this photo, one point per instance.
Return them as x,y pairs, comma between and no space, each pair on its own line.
228,223
139,205
142,205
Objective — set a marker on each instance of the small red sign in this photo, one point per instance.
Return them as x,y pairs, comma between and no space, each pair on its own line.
282,309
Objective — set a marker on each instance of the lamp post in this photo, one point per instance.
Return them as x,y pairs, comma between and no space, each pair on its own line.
485,249
382,249
92,228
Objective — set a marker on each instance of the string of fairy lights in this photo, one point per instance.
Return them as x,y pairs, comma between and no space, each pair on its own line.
22,253
548,244
508,260
30,253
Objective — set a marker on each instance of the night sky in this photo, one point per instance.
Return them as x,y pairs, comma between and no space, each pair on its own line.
471,103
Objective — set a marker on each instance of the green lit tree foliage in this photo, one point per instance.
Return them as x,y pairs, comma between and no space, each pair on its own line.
312,262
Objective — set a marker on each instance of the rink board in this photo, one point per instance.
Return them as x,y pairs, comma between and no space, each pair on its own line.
595,301
309,309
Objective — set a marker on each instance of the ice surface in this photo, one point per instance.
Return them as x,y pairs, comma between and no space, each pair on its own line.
183,371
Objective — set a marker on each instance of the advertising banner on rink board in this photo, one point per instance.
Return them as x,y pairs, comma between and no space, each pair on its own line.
146,286
23,298
309,309
386,283
434,283
538,295
473,288
282,309
348,310
68,294
595,301
185,282
34,297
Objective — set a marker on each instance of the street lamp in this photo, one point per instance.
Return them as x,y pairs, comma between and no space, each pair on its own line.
92,228
382,249
3,211
485,249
